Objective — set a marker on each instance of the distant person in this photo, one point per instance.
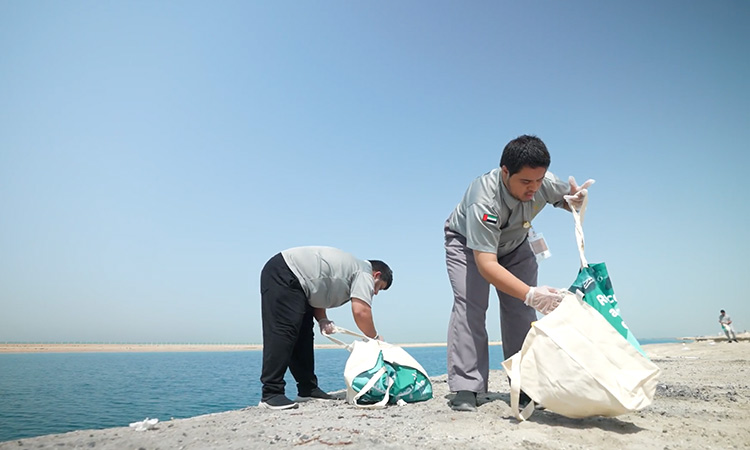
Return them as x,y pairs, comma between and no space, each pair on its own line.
486,243
726,325
295,286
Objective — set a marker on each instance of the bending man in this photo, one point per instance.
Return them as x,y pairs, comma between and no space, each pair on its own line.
295,286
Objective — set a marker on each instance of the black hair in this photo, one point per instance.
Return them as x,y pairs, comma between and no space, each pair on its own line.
526,150
386,274
722,310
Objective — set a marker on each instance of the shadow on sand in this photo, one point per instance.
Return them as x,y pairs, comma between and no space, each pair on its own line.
542,416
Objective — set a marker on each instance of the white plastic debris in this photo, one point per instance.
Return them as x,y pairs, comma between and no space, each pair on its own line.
147,424
401,402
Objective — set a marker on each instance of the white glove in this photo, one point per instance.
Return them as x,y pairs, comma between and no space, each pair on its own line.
543,298
578,193
327,326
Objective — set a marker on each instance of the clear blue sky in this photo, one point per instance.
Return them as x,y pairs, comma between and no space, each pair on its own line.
154,155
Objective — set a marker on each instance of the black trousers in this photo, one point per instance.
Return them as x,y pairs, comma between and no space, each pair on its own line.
287,330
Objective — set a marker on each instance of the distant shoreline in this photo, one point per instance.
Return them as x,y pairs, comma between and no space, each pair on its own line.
10,347
158,348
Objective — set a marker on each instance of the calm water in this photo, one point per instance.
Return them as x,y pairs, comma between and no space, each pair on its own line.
45,393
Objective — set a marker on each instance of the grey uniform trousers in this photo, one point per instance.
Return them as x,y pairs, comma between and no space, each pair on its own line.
468,346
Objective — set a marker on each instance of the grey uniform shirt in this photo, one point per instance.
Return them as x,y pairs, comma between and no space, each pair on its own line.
330,277
724,319
492,220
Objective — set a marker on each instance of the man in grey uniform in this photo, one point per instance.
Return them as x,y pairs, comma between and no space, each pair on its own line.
486,243
295,286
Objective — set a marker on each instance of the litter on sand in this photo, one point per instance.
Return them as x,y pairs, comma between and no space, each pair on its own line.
147,424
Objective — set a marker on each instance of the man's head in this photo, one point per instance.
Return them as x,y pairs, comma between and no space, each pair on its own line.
383,275
722,311
524,163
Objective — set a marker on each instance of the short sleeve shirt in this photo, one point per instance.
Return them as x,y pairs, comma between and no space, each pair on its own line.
492,220
724,318
330,277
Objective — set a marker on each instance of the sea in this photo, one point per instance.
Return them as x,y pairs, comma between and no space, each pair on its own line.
50,393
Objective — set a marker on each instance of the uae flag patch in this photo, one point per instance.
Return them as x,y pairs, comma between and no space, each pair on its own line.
489,218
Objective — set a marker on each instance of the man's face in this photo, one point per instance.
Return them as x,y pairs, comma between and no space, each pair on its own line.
379,284
523,184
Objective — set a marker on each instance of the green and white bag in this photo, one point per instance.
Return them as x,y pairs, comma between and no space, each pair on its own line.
594,282
378,373
581,360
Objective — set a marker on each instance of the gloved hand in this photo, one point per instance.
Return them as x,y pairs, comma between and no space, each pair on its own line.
578,193
543,298
327,326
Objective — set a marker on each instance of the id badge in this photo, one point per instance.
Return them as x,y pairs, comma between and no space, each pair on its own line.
538,245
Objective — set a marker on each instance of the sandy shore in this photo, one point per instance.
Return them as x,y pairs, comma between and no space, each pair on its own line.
702,401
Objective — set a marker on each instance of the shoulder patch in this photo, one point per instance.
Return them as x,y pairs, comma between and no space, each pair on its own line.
489,218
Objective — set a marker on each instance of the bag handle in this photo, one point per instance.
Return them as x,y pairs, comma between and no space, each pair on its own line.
578,218
370,384
345,331
515,390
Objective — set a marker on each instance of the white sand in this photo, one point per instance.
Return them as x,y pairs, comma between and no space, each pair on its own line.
703,401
